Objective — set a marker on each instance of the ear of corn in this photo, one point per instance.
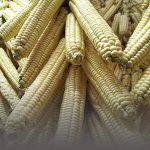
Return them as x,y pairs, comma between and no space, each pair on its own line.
141,90
121,132
74,41
140,26
114,94
99,32
43,49
36,97
13,25
48,132
9,69
44,131
138,45
72,108
34,26
8,92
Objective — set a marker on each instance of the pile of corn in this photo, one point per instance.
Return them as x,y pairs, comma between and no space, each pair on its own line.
74,70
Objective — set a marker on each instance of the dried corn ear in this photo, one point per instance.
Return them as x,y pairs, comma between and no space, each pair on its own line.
99,32
34,26
74,41
44,131
9,29
72,108
138,46
43,49
27,112
141,89
120,132
114,93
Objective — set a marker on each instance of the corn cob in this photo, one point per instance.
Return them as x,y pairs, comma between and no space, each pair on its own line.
98,131
27,113
115,23
34,26
3,110
9,69
138,46
145,125
43,49
12,26
48,132
47,123
143,22
99,32
123,24
74,41
8,92
115,95
138,52
72,109
142,89
112,10
120,131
